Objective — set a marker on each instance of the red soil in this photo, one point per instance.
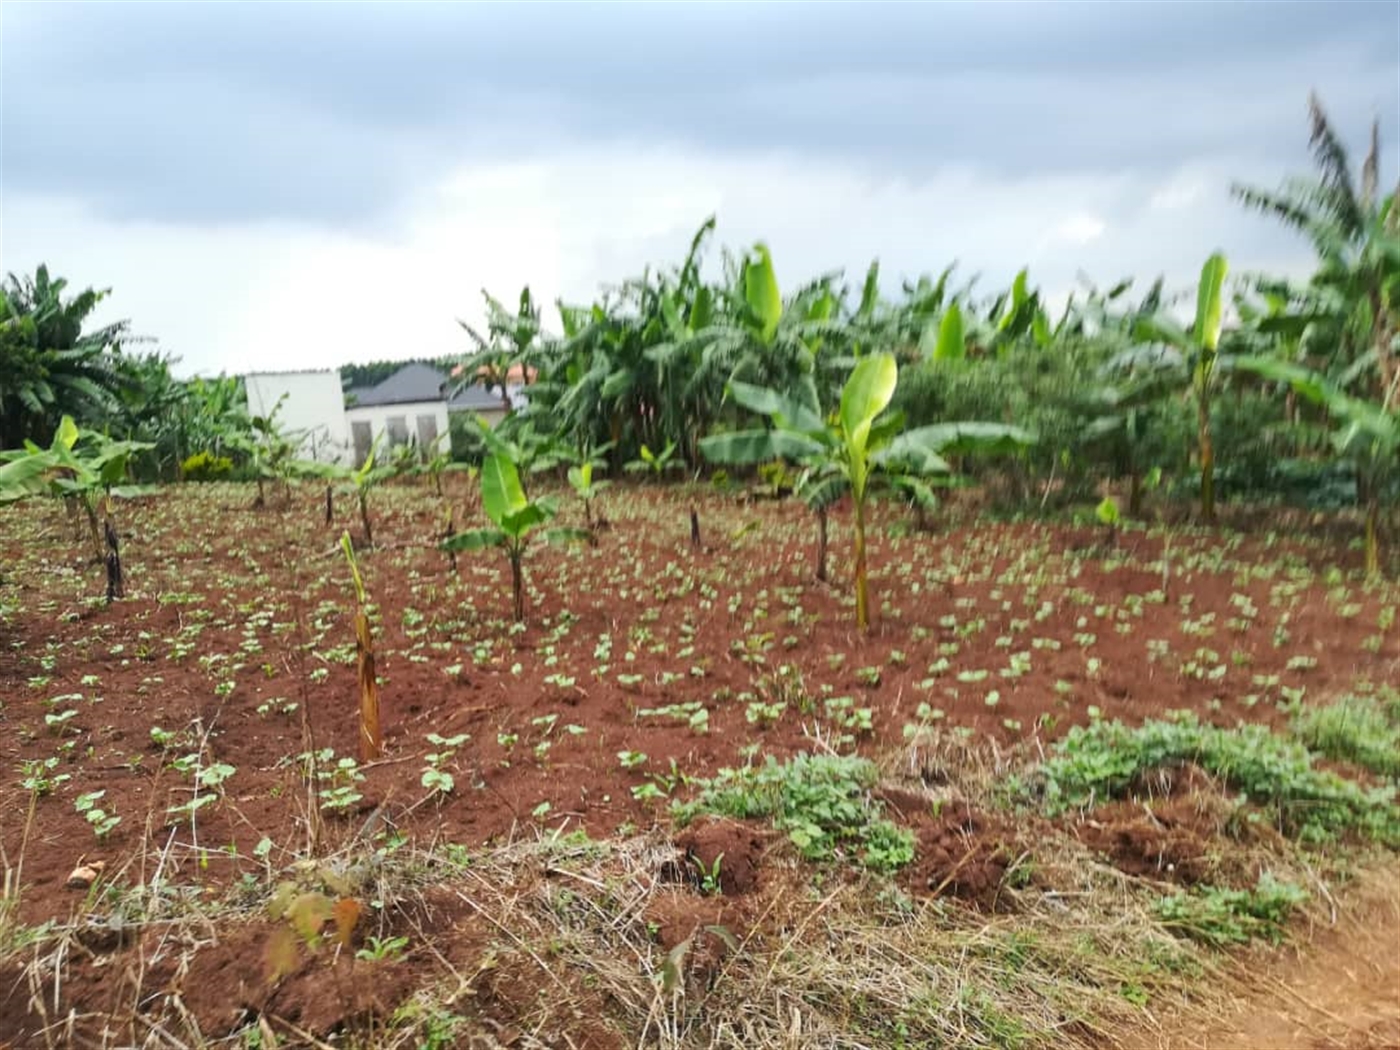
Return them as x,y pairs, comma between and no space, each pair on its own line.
228,609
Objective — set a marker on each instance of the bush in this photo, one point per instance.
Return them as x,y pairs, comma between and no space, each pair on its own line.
1052,394
1105,759
822,801
205,466
1356,729
1221,916
464,435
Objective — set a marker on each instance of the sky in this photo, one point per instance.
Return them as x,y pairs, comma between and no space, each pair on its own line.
302,185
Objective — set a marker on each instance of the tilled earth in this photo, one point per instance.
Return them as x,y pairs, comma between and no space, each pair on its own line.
644,663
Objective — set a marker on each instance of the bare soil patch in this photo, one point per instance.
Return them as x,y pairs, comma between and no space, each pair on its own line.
235,644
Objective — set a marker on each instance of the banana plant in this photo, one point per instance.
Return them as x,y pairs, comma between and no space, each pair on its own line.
270,452
514,518
586,489
439,461
1201,347
1122,411
842,452
84,467
1367,432
357,480
654,464
23,473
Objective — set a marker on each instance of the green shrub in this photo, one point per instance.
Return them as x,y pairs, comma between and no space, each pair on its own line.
1105,759
205,466
1356,729
822,801
1221,916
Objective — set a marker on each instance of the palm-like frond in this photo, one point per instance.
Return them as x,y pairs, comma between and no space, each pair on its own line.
1335,170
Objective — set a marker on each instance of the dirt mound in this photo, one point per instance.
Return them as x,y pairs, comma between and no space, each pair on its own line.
706,927
732,849
1168,840
960,852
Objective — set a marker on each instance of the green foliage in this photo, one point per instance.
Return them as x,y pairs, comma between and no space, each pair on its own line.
205,466
822,801
1221,917
50,366
1106,760
654,464
514,517
842,451
1051,394
98,819
1357,729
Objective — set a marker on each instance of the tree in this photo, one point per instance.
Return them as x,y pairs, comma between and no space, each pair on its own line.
50,367
845,451
1200,349
1349,303
1367,432
357,480
509,347
84,467
514,518
1345,323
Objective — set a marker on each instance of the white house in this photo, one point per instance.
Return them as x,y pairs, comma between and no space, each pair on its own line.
412,406
312,404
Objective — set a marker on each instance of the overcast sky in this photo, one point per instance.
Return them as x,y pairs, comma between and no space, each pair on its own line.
300,185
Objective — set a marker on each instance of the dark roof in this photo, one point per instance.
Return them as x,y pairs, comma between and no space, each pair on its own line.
356,395
475,398
410,383
418,382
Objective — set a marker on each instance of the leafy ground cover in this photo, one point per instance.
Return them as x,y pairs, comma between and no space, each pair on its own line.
684,802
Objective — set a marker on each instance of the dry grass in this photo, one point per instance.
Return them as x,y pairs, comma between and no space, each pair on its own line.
549,942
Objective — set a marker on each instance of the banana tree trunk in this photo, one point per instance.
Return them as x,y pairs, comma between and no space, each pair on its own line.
99,550
70,504
862,588
821,544
1207,451
371,740
517,586
364,518
1135,494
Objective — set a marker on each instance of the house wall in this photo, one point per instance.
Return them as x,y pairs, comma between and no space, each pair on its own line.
375,420
493,416
314,404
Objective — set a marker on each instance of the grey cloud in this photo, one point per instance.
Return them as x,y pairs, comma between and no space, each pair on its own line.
325,113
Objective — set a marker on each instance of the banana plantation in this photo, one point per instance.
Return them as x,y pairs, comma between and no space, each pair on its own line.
808,660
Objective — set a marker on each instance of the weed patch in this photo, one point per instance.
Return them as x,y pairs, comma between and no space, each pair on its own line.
823,802
1356,729
1107,760
1221,917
